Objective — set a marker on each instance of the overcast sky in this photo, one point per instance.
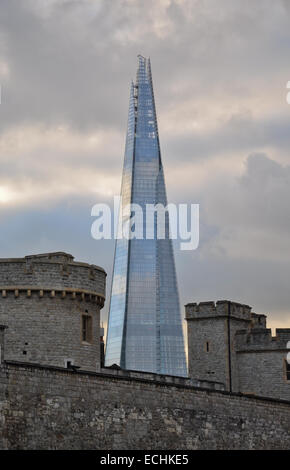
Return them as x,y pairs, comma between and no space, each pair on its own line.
220,69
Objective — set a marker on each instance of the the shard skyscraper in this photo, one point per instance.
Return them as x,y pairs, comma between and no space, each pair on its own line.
145,326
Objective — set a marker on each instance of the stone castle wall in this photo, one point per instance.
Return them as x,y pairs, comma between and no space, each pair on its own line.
46,408
261,362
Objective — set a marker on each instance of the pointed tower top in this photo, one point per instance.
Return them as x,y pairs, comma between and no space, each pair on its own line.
143,70
143,60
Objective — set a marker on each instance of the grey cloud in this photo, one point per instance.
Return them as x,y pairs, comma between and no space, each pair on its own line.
73,67
70,63
259,199
237,134
244,251
262,284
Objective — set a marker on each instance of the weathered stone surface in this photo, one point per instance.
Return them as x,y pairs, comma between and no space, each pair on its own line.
45,408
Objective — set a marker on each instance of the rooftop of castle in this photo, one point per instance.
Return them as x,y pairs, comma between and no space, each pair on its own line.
214,304
53,257
220,308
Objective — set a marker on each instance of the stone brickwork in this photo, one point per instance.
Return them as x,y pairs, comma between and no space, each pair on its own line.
46,408
262,362
2,338
42,300
230,344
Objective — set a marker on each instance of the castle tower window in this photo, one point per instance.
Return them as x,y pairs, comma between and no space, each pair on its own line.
68,363
207,346
87,331
287,370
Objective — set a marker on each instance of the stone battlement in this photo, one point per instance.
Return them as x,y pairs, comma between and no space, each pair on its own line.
51,272
262,339
220,308
258,320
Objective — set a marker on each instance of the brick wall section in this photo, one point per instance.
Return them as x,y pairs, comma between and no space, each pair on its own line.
48,330
2,337
45,408
261,361
264,373
42,299
204,365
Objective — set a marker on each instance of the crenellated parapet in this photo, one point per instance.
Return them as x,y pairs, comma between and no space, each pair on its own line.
261,339
218,309
51,272
258,321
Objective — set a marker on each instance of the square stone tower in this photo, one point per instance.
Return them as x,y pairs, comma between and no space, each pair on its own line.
211,340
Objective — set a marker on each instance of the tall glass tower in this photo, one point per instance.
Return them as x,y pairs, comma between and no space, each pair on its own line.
145,326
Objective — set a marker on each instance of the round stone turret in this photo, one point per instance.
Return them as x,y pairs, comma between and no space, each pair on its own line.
51,306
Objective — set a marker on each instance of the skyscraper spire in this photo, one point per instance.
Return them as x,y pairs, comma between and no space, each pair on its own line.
145,326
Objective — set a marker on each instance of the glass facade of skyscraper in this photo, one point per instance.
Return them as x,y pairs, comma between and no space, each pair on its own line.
145,326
